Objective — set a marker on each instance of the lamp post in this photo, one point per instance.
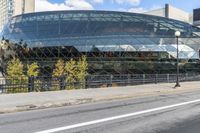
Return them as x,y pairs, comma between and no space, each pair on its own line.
177,34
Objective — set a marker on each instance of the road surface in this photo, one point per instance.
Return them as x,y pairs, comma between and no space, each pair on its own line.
178,113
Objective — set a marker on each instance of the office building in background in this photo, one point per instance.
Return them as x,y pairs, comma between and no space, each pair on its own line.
172,12
196,17
9,8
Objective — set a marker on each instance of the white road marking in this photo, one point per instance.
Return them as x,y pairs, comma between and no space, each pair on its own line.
116,117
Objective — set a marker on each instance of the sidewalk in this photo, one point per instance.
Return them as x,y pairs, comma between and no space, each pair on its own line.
28,101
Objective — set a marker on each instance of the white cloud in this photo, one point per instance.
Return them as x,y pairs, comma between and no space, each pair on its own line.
122,10
143,10
132,2
137,10
155,7
79,4
44,5
97,1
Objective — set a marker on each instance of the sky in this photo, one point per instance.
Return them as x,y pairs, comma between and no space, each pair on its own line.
137,6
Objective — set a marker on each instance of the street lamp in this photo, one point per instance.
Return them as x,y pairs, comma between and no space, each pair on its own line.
177,34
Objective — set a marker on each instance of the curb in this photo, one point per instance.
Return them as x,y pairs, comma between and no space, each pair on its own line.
71,102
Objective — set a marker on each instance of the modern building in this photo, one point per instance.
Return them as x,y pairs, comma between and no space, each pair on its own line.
9,8
196,18
172,12
114,42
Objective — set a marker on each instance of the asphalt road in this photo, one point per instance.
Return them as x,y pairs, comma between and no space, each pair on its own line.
161,114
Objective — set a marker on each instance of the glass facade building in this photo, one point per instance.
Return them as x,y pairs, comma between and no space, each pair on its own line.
114,42
196,18
9,8
6,11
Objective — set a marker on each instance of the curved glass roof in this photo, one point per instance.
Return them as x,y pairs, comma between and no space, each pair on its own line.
90,23
105,30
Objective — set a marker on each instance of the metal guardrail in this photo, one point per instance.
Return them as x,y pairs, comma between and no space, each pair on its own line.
137,79
32,84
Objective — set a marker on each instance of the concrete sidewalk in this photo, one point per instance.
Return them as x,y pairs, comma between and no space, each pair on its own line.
38,100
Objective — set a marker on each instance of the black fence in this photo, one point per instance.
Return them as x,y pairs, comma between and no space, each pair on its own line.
36,84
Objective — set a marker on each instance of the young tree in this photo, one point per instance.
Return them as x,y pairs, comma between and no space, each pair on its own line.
15,68
59,69
15,73
71,69
33,69
82,67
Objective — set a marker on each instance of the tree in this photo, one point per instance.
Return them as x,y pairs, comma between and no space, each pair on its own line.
59,69
16,76
71,69
82,67
15,68
59,72
33,70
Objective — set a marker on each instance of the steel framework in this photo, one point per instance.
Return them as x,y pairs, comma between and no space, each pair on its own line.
114,42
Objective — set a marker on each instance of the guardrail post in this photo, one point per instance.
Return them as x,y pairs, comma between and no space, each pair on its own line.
156,78
62,82
111,80
31,83
86,84
186,76
167,78
143,78
129,79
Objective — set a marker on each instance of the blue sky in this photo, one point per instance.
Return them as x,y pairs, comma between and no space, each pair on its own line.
123,5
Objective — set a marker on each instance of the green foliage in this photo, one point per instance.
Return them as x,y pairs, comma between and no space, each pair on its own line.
15,68
71,69
59,69
15,74
82,67
33,69
37,86
76,72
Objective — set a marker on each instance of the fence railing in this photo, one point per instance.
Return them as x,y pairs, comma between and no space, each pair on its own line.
32,84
